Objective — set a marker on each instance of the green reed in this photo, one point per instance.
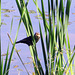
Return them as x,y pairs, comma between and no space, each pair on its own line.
56,39
0,36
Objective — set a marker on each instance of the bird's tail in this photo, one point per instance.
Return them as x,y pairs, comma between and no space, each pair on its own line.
18,42
21,41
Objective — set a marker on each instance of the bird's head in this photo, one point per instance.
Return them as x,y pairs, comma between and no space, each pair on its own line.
37,37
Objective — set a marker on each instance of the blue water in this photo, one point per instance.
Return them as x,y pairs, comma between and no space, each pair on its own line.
25,53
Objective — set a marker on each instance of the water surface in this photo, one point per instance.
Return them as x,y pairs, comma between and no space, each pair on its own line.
25,52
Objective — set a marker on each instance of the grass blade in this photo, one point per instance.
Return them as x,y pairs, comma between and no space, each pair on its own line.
43,50
12,50
2,67
5,65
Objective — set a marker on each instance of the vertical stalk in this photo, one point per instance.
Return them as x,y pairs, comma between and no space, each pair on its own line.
0,36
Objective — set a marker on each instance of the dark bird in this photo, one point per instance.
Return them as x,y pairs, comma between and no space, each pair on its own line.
28,40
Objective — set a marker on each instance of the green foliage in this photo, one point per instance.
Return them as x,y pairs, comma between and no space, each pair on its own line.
56,39
29,30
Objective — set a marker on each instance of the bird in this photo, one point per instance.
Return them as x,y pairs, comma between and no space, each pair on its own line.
28,40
